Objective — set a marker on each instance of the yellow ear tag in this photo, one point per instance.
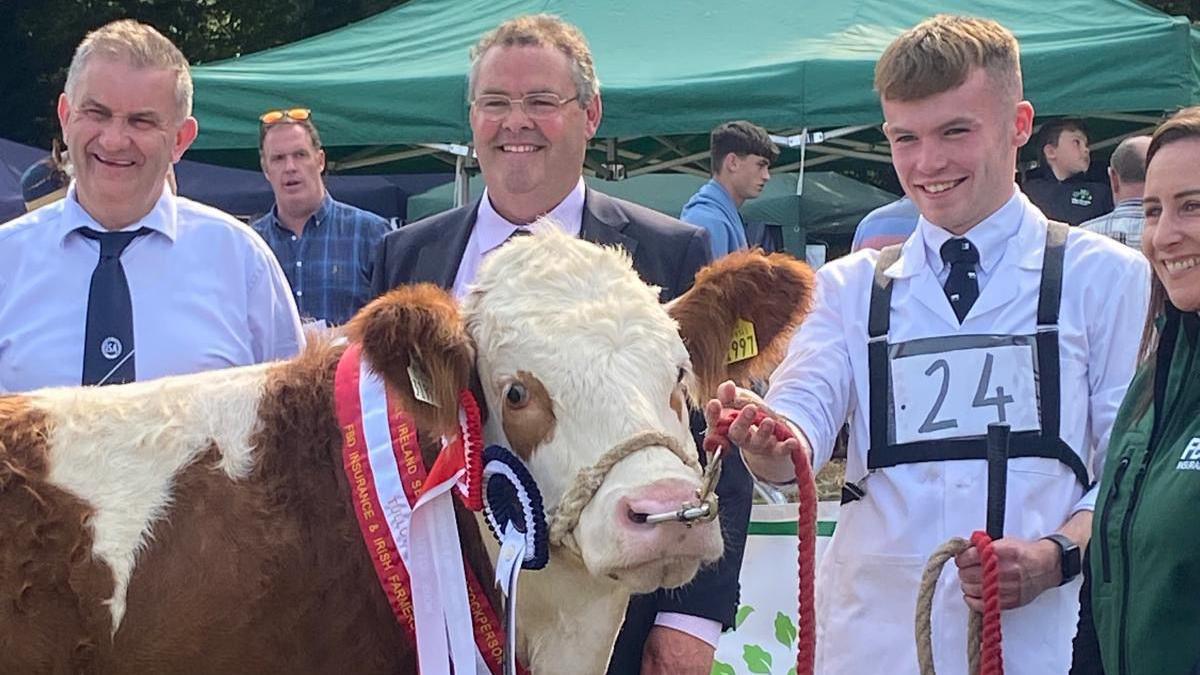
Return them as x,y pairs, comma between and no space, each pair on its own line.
744,344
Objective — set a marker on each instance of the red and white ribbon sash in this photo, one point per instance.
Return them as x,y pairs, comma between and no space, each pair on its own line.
406,517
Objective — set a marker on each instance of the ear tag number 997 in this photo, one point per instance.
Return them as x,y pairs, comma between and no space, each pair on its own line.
744,344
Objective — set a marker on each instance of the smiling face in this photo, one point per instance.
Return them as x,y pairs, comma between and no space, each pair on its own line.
293,166
529,166
1171,239
955,152
124,129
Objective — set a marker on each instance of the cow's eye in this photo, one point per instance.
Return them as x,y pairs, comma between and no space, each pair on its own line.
517,395
680,376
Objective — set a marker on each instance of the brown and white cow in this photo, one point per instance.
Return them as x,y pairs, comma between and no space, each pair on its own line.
204,523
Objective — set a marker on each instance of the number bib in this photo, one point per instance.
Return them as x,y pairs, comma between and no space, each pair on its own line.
931,400
953,387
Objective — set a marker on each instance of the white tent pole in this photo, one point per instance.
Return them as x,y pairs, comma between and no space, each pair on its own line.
800,174
462,183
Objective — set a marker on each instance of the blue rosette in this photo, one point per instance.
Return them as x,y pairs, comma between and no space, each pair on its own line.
511,495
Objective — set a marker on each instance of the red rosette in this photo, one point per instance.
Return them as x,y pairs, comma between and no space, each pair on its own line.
471,432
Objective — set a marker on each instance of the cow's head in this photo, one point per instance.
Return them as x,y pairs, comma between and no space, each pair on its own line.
575,356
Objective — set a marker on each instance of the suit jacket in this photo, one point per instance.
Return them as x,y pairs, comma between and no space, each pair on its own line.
666,253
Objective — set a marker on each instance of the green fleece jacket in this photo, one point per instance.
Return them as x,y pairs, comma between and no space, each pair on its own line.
1146,530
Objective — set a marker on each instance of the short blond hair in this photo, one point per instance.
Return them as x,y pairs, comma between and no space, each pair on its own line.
542,30
141,46
939,53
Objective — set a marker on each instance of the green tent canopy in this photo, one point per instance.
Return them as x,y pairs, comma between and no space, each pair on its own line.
679,67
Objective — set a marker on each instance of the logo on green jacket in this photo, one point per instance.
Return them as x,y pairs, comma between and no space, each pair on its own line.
1190,459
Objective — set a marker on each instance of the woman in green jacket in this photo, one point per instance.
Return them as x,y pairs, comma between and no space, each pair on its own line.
1146,561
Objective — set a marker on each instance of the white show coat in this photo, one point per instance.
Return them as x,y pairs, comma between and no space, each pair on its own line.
867,582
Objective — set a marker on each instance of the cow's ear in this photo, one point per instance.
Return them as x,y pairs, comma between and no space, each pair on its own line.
772,293
415,339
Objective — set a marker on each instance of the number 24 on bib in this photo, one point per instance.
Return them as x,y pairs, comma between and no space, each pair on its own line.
944,388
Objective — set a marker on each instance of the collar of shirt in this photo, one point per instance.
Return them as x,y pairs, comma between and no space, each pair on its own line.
161,218
493,229
315,220
990,237
1132,202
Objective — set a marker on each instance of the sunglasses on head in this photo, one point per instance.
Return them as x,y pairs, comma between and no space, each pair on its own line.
276,116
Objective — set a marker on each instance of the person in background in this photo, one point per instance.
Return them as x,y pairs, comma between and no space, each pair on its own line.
46,180
741,159
327,248
1146,565
122,280
1062,189
887,225
1127,175
893,345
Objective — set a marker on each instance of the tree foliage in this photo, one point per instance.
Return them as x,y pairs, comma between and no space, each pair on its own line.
38,37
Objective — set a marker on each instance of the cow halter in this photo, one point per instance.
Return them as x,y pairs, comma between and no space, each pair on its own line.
566,517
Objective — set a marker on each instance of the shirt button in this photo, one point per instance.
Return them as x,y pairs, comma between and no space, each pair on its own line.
299,263
299,294
293,237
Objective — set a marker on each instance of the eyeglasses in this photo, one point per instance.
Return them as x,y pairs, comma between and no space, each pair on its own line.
496,107
276,116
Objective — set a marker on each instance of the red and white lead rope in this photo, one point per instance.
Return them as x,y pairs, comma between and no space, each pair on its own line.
806,529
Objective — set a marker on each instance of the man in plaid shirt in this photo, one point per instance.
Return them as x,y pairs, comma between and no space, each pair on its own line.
326,248
1127,173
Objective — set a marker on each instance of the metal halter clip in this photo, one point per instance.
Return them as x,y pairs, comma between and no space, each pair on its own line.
702,510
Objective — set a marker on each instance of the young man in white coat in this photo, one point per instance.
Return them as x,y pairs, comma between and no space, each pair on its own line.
986,313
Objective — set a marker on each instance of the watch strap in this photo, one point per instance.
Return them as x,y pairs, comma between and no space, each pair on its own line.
1069,557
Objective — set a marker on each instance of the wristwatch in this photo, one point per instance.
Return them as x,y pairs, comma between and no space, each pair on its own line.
1069,558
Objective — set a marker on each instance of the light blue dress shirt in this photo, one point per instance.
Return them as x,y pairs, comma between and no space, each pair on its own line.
207,293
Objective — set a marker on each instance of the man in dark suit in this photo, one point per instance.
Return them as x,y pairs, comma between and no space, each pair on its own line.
535,104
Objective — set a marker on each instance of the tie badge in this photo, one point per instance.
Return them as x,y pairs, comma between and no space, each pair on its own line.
111,348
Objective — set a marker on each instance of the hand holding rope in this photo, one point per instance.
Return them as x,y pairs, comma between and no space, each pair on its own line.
984,653
806,528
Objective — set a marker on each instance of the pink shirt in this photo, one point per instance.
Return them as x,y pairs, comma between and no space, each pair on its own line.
492,229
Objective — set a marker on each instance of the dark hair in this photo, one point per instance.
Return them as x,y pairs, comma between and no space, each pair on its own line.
740,138
1181,126
1051,131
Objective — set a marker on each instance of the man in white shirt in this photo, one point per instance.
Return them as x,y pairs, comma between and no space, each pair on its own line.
121,280
986,313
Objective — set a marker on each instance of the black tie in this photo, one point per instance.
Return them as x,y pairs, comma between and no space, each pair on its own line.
108,340
962,288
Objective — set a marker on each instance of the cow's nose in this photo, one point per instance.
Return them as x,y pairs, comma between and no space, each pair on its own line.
662,496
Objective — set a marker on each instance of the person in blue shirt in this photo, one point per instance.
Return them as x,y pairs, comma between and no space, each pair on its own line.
741,158
326,248
886,225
